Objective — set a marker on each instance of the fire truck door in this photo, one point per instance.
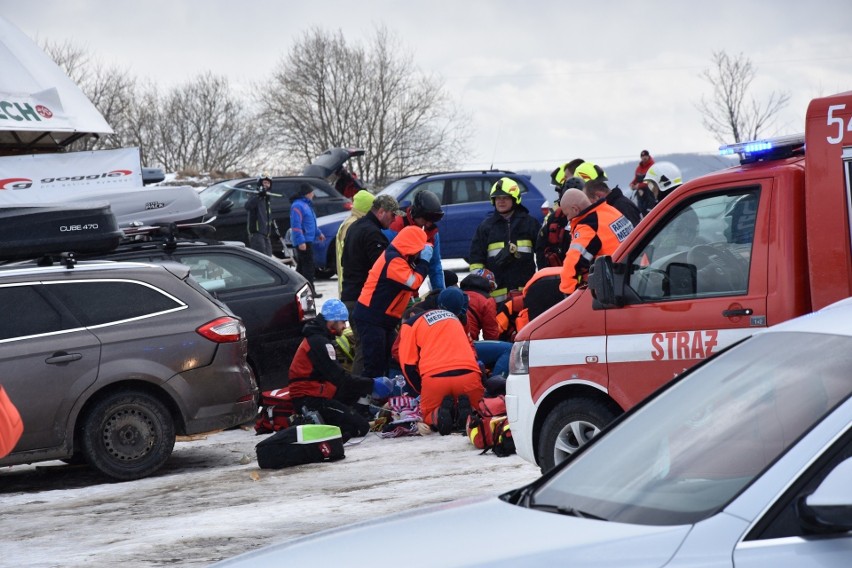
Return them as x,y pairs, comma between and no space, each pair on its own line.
700,278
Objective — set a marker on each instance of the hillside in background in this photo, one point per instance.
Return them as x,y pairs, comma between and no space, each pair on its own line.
691,165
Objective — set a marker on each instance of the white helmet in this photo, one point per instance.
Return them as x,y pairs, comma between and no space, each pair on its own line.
664,175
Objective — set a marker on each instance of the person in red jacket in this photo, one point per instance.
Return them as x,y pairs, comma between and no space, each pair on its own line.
392,281
482,309
439,362
645,163
319,384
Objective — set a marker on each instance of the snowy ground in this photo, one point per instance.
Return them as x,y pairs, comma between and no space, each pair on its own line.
211,501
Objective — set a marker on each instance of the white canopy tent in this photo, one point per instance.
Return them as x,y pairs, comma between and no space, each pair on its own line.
41,109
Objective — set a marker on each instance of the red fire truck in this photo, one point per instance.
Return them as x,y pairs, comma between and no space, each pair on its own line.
722,256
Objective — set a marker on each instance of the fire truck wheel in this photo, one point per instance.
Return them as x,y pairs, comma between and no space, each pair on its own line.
569,425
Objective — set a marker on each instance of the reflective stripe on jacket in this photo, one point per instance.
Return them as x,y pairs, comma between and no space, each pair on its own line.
598,230
505,247
393,280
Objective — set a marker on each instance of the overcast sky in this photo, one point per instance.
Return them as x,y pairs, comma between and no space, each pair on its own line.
543,81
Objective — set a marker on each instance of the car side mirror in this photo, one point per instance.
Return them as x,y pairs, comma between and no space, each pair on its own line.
681,279
225,207
829,508
606,280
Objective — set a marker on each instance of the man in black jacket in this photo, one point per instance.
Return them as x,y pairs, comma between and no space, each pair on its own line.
365,243
597,189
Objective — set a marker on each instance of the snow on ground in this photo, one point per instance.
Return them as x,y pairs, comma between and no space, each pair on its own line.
211,501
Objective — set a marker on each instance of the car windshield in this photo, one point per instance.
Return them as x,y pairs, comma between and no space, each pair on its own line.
210,195
396,188
684,455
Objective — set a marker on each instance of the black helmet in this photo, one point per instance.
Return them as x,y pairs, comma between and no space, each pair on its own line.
573,183
427,206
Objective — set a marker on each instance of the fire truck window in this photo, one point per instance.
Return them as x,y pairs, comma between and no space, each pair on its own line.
703,250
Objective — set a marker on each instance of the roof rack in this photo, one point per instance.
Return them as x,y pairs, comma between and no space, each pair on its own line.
766,149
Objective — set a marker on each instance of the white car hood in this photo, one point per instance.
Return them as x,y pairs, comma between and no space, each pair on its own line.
479,532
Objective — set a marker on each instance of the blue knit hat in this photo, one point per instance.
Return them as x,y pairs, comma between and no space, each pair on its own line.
453,300
334,310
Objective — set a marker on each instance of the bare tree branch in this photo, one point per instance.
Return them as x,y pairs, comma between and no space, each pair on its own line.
729,114
327,93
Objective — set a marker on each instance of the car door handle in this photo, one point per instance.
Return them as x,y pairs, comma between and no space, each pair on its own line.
62,357
737,312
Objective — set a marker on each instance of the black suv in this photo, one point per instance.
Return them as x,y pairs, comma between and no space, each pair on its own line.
107,362
273,300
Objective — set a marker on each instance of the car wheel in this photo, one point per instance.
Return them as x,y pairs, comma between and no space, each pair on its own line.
128,435
570,425
330,268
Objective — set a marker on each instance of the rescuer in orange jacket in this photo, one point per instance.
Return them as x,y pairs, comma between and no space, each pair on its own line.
392,281
438,361
596,229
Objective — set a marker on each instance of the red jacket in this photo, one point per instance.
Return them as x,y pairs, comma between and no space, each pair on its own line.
481,315
639,174
315,371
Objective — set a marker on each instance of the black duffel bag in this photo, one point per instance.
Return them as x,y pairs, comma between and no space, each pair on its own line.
297,445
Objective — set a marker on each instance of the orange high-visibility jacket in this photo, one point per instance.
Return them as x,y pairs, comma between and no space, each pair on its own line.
598,230
393,280
434,343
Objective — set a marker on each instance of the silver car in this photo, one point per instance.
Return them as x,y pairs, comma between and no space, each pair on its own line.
744,461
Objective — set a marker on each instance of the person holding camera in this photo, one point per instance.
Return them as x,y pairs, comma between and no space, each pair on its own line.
259,222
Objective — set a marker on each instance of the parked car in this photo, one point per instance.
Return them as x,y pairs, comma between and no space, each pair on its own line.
744,460
226,211
465,199
272,300
107,362
225,201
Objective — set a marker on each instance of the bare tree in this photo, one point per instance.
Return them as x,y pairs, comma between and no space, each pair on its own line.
201,126
731,115
110,89
327,93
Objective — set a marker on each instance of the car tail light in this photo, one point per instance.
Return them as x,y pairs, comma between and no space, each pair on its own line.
306,304
347,205
223,330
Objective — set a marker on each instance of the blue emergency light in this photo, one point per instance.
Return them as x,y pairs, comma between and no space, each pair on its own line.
767,148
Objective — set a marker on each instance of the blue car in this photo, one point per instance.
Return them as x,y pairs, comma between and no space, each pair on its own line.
465,198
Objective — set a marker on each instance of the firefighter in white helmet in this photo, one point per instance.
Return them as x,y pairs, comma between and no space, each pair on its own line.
662,178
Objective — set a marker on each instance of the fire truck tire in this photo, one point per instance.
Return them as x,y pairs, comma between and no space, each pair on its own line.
569,425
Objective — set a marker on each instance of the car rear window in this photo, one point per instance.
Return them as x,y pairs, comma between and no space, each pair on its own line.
99,302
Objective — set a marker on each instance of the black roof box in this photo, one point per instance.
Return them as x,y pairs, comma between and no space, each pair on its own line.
29,231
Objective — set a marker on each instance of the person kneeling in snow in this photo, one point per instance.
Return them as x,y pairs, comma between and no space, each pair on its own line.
439,362
319,384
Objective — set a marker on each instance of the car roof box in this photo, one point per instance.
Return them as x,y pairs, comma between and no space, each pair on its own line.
29,231
149,206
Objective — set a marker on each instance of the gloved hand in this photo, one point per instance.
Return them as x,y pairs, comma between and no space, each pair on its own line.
382,387
427,253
